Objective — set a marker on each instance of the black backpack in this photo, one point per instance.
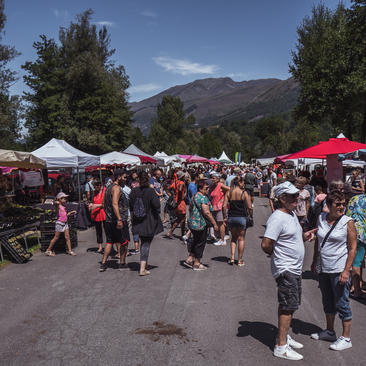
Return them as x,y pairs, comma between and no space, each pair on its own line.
139,210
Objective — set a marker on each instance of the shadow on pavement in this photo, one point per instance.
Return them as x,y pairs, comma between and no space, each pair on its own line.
135,266
262,332
300,327
220,259
308,275
358,299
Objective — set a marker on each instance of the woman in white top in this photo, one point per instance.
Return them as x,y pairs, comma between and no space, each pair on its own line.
334,252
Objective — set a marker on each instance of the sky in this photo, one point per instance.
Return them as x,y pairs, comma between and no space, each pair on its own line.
163,43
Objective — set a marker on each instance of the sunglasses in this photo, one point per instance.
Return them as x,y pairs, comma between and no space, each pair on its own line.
340,204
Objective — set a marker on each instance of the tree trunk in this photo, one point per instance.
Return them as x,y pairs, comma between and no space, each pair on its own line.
363,126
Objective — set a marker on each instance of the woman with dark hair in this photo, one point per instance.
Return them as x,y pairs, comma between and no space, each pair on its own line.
200,217
240,205
146,221
334,253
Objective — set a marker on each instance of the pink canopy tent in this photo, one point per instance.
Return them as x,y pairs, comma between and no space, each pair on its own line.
194,159
331,147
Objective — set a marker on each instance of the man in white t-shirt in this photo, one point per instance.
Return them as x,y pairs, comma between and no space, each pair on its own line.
284,241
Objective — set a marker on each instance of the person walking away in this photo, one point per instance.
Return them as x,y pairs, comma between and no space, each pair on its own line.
89,188
115,205
191,192
133,182
61,225
240,205
200,217
334,253
179,190
303,203
97,213
250,181
356,209
284,241
146,221
217,196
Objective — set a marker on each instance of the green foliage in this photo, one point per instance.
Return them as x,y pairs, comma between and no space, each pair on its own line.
169,126
209,146
10,107
78,93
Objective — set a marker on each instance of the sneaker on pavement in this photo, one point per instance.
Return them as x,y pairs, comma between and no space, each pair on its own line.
324,335
218,243
294,344
288,354
341,344
102,267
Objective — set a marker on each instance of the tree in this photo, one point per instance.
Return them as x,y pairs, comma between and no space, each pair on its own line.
169,125
9,105
78,93
209,146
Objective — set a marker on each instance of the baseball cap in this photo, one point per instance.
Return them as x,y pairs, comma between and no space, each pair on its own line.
285,188
180,174
237,170
61,195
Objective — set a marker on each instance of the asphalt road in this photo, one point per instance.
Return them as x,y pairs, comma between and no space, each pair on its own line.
62,311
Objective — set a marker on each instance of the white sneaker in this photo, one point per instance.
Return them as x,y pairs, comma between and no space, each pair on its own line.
219,242
227,237
341,344
292,343
324,335
288,354
185,239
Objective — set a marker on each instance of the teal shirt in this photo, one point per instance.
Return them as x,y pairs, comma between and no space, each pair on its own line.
196,219
357,211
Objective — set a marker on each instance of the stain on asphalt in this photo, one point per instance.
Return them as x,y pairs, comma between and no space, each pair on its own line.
161,331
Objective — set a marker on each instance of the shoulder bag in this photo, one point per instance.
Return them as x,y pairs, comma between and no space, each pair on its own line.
318,265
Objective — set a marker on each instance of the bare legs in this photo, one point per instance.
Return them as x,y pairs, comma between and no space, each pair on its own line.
122,250
284,321
56,237
237,240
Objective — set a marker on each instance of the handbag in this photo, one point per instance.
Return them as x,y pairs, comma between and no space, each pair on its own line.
208,222
247,215
318,265
171,203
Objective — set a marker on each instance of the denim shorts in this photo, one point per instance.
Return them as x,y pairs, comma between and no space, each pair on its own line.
289,291
360,254
237,222
335,296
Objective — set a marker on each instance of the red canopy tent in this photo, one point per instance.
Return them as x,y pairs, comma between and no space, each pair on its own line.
194,159
324,148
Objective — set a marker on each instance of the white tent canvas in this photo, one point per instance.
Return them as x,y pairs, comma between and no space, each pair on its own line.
224,158
60,154
162,156
116,157
20,159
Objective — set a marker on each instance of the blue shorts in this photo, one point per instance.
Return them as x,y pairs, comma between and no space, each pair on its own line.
335,296
360,254
237,222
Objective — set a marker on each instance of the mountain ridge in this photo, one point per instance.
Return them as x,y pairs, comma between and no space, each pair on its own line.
214,100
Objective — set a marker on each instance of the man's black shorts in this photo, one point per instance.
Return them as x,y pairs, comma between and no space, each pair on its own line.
289,291
114,235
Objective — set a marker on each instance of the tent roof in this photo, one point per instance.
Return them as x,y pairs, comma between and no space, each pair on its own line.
20,159
144,157
194,158
116,157
224,158
60,154
330,147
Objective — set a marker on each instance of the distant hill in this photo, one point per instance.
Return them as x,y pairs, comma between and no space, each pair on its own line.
215,100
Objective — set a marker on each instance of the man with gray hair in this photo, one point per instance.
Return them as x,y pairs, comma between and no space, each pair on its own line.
284,241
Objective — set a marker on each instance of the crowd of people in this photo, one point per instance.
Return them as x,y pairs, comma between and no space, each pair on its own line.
216,205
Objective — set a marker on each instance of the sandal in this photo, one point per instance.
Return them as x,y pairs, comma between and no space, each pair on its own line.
145,273
201,267
231,262
188,264
49,253
71,253
241,263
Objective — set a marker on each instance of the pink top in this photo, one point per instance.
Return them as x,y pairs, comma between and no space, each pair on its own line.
217,197
62,214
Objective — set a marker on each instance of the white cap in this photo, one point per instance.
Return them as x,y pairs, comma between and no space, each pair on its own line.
285,188
61,195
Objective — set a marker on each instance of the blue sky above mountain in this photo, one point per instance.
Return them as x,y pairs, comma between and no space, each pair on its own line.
169,42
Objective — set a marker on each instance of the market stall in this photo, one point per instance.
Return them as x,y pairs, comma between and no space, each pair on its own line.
118,158
163,159
144,157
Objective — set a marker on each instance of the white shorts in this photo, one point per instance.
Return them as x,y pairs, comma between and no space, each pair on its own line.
61,227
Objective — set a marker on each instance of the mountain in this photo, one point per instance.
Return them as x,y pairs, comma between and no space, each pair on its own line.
215,100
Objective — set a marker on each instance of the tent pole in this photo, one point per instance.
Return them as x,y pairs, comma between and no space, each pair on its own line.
100,174
79,184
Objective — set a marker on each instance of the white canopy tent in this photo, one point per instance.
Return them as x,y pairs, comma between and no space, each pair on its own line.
60,154
167,159
224,159
116,157
20,159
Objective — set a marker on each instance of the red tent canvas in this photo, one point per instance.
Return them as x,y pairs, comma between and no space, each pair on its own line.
324,148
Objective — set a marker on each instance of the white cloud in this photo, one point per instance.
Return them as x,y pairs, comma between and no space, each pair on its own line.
143,88
60,13
184,67
239,75
149,14
106,23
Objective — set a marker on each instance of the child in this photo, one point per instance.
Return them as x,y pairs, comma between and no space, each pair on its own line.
61,225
